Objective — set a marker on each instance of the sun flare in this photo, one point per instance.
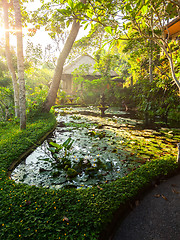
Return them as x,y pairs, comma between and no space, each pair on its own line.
2,31
10,30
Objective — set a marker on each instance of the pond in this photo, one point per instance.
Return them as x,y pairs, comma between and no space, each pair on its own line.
86,150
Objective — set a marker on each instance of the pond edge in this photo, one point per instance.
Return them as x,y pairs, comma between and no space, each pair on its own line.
15,163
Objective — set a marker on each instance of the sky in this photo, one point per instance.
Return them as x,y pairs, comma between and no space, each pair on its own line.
41,36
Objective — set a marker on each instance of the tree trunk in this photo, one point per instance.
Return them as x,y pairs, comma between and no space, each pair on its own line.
150,63
9,58
20,64
52,94
177,82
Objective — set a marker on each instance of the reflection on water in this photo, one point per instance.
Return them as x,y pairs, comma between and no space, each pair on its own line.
99,148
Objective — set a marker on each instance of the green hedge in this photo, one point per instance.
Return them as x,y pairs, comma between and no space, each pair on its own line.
14,142
29,212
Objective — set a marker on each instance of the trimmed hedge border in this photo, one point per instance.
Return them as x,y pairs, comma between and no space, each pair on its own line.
127,207
29,151
29,212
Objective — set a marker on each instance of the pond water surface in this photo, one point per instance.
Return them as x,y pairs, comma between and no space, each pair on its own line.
103,150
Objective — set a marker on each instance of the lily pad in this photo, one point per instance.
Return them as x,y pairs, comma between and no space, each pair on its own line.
71,173
112,148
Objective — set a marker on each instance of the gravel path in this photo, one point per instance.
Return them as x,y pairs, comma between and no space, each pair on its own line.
157,217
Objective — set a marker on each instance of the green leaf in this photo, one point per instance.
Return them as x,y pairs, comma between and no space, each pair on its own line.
68,143
63,11
78,6
56,145
144,9
128,7
89,14
52,149
108,30
67,23
86,26
70,3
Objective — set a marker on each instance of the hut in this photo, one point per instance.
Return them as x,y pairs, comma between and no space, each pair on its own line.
172,29
67,77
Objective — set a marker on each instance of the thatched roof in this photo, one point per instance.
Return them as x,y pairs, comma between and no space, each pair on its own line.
84,59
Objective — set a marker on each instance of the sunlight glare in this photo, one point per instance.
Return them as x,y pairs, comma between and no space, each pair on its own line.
2,31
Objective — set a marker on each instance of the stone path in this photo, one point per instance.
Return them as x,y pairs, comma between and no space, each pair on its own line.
157,217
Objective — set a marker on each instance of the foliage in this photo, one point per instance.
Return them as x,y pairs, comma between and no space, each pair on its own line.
37,81
4,78
36,98
140,21
37,57
48,17
36,76
19,141
6,92
148,22
34,53
56,148
155,97
6,103
90,90
91,43
112,154
123,98
62,97
29,212
37,85
81,165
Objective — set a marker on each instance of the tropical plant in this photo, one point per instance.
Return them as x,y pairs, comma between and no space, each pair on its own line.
35,98
62,149
6,104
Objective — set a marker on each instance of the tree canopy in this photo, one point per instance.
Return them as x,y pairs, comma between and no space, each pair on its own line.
137,29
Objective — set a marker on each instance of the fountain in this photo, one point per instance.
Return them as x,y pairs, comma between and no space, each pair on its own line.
102,106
